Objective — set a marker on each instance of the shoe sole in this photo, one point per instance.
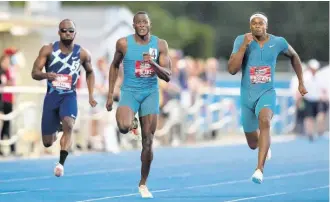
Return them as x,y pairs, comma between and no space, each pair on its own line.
256,180
136,122
146,196
58,173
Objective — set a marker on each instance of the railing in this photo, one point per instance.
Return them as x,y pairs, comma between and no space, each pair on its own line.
214,110
223,116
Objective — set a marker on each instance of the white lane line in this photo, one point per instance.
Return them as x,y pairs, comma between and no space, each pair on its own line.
301,173
268,178
277,194
255,197
18,192
93,172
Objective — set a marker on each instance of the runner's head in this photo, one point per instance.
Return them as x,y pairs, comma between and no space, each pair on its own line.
141,23
67,31
258,24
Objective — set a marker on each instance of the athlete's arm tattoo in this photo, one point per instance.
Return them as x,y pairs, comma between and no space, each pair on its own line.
39,63
164,68
296,63
90,77
114,68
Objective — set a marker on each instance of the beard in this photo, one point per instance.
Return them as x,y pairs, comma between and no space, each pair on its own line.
67,42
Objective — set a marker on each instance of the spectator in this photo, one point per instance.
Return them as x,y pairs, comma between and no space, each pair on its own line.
322,77
312,98
101,83
4,63
299,102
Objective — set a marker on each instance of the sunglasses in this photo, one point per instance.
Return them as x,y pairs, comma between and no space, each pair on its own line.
71,30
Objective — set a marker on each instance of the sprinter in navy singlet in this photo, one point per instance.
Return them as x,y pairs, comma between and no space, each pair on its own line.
62,61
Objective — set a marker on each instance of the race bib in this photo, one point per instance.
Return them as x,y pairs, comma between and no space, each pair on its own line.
260,74
143,69
62,82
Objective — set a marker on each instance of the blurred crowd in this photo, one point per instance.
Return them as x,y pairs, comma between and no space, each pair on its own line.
8,69
312,110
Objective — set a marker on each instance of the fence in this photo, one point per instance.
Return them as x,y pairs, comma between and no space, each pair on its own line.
215,110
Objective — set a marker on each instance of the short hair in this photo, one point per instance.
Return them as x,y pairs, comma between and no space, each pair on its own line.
67,20
140,12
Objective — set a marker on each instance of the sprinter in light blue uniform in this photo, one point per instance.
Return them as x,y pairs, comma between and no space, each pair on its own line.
62,61
256,54
257,85
145,58
139,90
